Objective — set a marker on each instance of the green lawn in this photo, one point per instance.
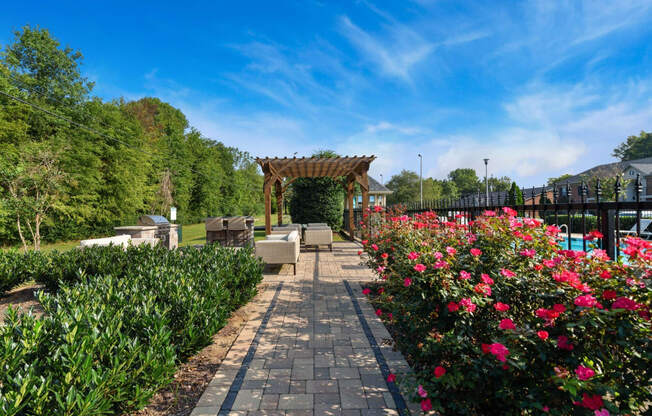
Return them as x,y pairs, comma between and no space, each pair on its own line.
192,234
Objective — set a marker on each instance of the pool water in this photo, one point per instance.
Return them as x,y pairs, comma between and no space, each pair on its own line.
576,244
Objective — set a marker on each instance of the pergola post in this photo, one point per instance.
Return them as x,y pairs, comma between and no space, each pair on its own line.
267,189
364,185
349,197
279,202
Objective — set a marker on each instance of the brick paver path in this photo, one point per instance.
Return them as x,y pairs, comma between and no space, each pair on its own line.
314,347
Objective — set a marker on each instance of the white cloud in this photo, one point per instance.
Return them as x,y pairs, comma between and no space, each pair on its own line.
549,131
395,56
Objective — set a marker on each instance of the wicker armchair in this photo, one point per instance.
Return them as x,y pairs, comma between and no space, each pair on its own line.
280,249
286,228
316,236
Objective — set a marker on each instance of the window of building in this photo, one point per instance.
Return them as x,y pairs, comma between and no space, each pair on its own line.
371,199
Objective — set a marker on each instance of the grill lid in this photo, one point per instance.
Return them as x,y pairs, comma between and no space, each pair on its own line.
153,220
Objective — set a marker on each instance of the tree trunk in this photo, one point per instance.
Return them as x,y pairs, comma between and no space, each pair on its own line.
20,232
37,236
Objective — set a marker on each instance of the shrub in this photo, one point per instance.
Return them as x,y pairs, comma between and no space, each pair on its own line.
497,319
16,268
317,200
107,342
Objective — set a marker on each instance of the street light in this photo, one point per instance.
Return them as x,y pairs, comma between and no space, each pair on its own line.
486,180
420,178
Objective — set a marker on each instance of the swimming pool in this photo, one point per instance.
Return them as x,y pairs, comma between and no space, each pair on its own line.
576,245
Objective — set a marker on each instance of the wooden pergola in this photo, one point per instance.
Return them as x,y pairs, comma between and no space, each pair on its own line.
351,168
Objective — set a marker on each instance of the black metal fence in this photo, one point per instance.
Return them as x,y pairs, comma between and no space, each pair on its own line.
574,211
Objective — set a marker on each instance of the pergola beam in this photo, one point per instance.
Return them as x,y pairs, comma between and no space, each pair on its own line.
354,169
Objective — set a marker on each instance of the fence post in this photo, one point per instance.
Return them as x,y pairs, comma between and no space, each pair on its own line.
608,228
638,188
570,221
583,200
554,201
617,217
598,211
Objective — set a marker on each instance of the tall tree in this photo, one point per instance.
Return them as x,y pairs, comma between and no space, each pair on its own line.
501,184
465,179
515,196
560,179
404,187
33,182
635,147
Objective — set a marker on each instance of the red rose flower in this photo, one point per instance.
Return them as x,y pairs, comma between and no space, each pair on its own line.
543,335
439,371
501,307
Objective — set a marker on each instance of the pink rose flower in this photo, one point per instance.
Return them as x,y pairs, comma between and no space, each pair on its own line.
486,279
501,307
426,405
464,275
422,392
413,255
419,267
586,301
499,350
584,373
469,306
506,324
507,273
439,371
475,252
543,335
407,282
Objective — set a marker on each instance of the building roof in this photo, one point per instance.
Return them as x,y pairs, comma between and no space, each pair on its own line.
608,170
376,187
311,167
646,168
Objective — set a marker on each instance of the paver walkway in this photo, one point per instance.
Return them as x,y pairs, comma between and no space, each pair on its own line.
314,347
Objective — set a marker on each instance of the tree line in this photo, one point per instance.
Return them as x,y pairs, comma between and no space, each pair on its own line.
459,182
73,165
464,181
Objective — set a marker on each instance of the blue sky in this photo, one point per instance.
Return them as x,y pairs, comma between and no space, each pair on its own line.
539,87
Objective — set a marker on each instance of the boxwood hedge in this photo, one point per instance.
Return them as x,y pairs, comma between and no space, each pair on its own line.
116,323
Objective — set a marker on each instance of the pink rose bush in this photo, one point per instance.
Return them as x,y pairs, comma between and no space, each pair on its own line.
496,317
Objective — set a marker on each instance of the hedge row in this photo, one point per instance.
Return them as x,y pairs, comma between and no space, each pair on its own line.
16,268
497,319
116,326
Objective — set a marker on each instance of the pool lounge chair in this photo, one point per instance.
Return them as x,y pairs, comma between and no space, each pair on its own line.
645,223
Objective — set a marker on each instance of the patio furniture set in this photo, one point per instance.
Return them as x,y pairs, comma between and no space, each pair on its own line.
283,244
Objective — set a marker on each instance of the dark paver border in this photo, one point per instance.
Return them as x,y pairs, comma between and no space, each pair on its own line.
380,358
236,385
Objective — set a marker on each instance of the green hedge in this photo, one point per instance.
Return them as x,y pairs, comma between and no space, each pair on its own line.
109,340
317,200
18,268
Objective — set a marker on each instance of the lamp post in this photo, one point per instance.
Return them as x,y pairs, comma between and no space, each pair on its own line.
420,178
486,180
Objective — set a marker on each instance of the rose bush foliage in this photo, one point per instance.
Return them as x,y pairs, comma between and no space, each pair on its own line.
496,318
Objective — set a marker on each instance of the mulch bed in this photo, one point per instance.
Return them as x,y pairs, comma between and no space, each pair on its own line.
182,394
23,298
